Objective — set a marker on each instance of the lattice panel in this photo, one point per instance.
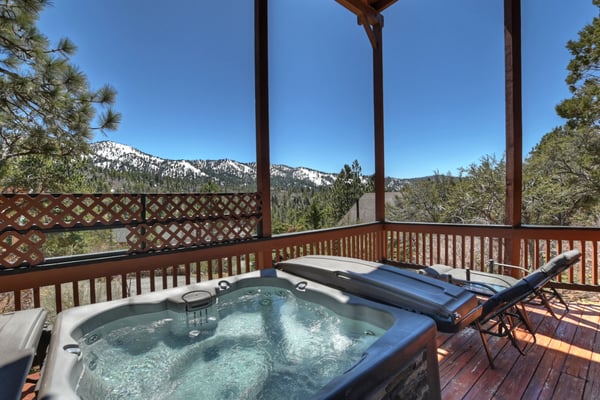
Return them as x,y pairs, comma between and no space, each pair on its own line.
22,211
154,221
162,207
17,249
228,230
143,238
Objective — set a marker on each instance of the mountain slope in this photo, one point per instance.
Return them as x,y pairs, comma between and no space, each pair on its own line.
122,163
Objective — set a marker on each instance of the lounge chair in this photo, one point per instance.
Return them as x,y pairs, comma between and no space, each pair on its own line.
489,283
502,313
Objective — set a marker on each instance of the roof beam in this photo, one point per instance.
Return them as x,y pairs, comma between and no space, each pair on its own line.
368,14
358,6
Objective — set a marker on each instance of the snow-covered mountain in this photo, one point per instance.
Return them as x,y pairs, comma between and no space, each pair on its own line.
112,156
115,156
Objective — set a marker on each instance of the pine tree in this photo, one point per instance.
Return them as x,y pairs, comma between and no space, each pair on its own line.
347,188
562,174
583,108
46,105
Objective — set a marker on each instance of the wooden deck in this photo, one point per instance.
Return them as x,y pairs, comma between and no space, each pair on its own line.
563,364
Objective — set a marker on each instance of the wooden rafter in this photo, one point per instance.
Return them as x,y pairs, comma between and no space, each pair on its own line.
369,15
358,6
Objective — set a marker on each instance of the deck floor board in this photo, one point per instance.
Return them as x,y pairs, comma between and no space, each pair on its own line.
563,363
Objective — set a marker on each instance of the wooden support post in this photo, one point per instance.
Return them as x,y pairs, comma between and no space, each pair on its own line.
514,123
378,123
261,84
379,135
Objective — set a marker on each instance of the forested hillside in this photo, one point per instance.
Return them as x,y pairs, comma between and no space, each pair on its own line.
301,198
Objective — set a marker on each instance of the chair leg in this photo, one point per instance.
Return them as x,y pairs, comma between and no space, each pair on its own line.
542,296
561,300
486,346
525,318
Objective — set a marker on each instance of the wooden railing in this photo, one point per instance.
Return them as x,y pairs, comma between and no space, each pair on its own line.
472,246
182,257
68,282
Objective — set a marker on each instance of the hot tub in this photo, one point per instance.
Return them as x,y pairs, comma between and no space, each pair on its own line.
206,340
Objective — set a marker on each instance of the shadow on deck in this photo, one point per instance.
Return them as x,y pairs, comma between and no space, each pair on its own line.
563,364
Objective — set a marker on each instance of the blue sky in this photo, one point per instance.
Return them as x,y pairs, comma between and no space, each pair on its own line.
184,74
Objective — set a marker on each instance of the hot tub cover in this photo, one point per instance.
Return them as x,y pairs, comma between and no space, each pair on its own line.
20,333
449,305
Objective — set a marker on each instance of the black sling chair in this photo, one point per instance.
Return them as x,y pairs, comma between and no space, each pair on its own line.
488,283
503,312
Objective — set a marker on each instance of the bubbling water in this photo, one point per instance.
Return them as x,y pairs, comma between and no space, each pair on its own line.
267,344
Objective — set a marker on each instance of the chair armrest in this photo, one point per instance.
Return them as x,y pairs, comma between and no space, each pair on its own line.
492,264
475,287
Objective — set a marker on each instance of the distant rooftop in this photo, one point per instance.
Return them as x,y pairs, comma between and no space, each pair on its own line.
364,209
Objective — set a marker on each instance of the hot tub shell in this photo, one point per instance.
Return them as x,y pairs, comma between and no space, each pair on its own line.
403,362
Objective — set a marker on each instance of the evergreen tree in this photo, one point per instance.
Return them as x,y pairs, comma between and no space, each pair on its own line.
209,187
583,108
562,178
478,197
425,200
347,188
562,173
474,197
46,105
314,217
41,174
